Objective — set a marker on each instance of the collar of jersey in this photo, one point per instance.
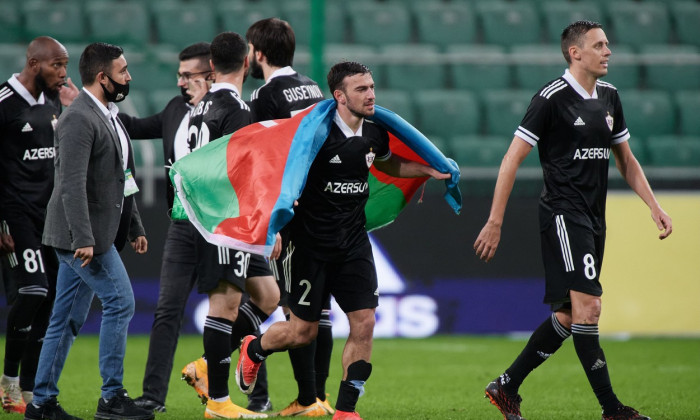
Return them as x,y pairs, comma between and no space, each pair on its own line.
284,71
577,86
110,111
226,86
346,130
23,92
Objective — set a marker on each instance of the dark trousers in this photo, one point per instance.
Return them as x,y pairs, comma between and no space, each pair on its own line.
177,278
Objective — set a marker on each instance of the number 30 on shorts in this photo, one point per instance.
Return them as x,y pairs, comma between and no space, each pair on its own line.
589,267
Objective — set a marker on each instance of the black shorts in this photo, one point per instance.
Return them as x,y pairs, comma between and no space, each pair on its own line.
32,264
216,264
572,255
352,281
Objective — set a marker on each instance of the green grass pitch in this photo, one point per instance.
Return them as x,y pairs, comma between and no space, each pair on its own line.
435,378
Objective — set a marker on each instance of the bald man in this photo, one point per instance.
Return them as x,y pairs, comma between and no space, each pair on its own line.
30,103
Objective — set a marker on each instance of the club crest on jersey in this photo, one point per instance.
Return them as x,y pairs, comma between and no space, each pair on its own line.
609,120
369,157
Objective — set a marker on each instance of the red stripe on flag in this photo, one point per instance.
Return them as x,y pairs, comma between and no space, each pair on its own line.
407,185
254,156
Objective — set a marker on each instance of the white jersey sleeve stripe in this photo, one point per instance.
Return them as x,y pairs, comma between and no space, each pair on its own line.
621,137
526,135
554,85
549,95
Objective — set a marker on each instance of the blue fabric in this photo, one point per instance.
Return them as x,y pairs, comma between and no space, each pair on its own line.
424,148
105,277
313,132
308,139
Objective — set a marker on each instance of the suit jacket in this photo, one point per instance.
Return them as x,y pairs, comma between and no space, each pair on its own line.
87,205
162,125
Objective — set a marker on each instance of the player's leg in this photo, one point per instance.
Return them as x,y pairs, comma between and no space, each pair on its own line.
551,333
222,273
354,287
223,309
307,289
322,359
28,273
39,326
262,299
177,278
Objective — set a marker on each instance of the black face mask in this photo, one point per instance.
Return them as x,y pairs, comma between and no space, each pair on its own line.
183,91
120,91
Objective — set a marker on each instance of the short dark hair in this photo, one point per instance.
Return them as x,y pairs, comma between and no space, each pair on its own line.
228,52
340,71
573,35
201,50
97,57
275,38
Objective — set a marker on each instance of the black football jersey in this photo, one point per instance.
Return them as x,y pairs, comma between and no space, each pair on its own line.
284,94
26,150
330,218
220,112
574,132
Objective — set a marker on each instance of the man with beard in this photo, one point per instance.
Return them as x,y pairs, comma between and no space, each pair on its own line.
225,273
90,215
271,45
329,249
178,270
30,103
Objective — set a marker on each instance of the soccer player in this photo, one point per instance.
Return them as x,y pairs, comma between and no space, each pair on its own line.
271,46
575,120
178,271
224,273
329,248
30,104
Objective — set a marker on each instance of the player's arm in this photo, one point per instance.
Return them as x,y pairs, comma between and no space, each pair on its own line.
490,235
143,128
633,173
400,167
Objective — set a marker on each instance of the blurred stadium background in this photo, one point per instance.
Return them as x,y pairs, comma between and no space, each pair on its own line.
463,72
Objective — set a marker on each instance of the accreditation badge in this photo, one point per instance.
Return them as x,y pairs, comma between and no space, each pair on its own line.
130,186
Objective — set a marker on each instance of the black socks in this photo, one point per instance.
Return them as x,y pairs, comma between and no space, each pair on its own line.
352,388
587,345
217,348
546,340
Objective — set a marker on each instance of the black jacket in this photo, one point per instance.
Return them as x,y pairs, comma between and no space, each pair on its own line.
161,125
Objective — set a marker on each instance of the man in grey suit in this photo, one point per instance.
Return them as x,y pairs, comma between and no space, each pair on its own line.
90,214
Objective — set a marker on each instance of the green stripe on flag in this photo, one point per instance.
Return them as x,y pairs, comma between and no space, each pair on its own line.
210,195
385,203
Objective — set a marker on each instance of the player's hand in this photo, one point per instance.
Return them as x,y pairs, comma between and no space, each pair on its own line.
197,88
663,222
85,254
277,249
7,244
439,175
68,93
140,245
487,241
